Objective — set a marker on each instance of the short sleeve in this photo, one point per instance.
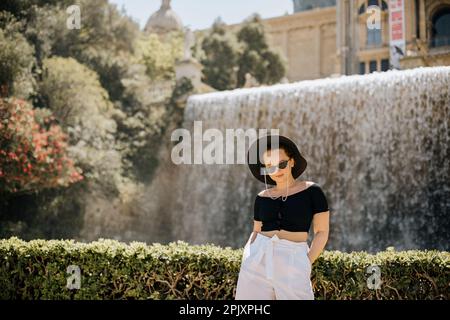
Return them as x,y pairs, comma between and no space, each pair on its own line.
319,200
256,210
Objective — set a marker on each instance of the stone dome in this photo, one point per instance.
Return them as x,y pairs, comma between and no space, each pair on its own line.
164,20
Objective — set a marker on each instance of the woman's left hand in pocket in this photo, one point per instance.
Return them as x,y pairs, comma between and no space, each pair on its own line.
309,258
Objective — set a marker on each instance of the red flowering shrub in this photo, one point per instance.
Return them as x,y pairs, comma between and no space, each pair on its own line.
32,150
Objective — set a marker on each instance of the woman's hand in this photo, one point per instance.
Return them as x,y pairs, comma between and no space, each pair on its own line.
309,258
254,235
321,227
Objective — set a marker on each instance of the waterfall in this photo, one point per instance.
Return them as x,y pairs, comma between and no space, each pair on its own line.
377,144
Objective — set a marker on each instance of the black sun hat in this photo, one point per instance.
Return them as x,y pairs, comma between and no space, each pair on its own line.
259,146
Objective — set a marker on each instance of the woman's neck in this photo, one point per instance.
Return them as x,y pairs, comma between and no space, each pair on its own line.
288,183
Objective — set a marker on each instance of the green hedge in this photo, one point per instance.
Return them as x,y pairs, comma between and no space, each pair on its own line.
114,270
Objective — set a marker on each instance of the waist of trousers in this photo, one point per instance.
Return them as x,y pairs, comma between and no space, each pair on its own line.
266,246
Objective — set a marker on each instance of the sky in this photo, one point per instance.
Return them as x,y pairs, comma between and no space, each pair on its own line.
200,14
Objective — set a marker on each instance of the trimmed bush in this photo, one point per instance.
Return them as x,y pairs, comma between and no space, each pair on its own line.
112,270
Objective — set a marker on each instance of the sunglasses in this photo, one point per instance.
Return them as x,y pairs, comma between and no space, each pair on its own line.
272,169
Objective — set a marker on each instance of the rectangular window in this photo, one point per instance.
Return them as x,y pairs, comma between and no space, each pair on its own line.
373,66
385,65
362,68
373,37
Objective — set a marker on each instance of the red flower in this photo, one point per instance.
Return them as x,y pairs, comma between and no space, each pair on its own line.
33,148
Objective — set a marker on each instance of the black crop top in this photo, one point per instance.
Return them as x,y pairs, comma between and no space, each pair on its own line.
294,214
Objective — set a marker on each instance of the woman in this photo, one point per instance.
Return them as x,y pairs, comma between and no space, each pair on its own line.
277,260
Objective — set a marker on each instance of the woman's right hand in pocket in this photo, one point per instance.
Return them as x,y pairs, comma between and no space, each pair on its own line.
255,234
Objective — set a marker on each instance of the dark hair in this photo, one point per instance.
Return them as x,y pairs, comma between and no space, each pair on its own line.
287,149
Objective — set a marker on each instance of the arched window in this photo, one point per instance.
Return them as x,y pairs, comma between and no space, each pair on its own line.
440,29
366,4
374,36
362,9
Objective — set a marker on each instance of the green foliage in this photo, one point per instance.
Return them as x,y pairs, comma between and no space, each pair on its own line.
63,80
95,85
16,61
180,93
103,27
227,57
81,105
114,270
111,68
44,28
160,57
105,42
110,44
21,8
142,122
221,52
257,58
183,87
33,150
51,213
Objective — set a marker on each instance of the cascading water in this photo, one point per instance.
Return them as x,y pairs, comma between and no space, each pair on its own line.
377,144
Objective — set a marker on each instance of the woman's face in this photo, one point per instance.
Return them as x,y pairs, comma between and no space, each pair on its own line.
273,158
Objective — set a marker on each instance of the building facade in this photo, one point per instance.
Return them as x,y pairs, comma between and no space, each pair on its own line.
307,40
326,38
305,5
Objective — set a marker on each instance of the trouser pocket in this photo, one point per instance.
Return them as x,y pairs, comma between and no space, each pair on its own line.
250,249
300,279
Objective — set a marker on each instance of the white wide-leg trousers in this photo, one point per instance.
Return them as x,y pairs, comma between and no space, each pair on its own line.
274,268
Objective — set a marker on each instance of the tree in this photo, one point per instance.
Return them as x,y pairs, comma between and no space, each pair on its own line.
96,85
227,57
33,150
221,53
105,43
160,57
74,94
108,43
16,62
19,8
146,118
257,58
